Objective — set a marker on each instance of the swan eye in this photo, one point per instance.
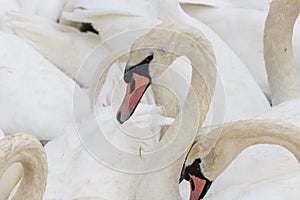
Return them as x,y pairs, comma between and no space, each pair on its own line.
148,59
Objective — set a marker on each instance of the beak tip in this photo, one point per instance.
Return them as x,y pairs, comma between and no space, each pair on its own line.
119,118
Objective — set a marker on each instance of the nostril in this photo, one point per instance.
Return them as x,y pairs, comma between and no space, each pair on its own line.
119,117
132,86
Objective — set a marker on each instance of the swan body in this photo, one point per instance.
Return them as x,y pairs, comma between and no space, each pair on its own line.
7,6
50,39
28,151
33,91
256,4
287,112
111,20
48,9
279,187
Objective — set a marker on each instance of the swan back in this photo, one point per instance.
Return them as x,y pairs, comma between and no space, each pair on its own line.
48,9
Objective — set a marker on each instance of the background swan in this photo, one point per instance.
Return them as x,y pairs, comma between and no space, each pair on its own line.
27,150
51,39
283,76
240,135
275,163
33,91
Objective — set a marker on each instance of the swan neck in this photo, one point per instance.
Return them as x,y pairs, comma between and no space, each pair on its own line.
283,77
234,137
27,151
203,72
189,42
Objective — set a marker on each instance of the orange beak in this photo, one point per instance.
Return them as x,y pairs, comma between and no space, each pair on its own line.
134,92
199,187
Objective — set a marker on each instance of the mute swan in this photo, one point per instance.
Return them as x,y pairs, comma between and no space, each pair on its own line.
32,91
243,98
145,53
244,172
207,159
68,178
27,150
283,76
98,179
245,20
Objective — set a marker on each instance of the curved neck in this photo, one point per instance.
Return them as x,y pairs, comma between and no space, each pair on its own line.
278,50
10,179
28,151
190,42
164,183
236,136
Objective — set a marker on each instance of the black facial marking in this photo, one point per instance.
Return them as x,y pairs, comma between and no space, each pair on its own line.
192,184
194,169
88,27
141,68
119,117
205,189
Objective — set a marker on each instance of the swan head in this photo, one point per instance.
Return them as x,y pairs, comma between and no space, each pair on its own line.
199,184
150,55
193,173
